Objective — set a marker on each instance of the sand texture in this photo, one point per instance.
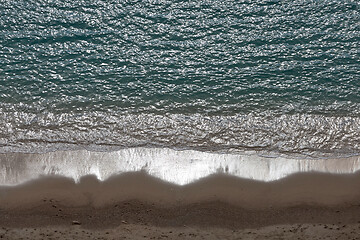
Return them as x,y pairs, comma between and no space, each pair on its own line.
299,231
138,206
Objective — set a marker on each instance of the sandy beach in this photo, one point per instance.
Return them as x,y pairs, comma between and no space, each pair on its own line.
138,206
207,220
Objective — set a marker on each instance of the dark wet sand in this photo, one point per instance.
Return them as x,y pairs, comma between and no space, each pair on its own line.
310,206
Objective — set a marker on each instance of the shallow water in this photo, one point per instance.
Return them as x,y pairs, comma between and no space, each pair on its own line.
278,77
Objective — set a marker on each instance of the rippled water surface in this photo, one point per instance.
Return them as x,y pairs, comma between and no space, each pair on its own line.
274,76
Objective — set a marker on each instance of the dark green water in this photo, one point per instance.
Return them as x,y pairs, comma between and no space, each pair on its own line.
270,76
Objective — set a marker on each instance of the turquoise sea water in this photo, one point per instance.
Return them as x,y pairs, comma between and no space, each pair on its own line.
269,76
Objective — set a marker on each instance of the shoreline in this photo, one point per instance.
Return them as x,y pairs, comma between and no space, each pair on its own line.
180,167
302,188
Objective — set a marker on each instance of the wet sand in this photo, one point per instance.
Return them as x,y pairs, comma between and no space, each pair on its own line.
138,206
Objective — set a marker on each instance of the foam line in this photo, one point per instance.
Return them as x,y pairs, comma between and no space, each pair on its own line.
178,167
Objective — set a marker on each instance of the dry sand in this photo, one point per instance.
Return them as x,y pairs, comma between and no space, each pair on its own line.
138,206
131,231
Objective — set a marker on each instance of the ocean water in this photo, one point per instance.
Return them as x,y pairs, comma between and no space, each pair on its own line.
275,78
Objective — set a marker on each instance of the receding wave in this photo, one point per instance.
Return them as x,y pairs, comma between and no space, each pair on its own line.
311,135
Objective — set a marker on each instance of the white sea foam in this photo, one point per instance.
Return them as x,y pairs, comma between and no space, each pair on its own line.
179,167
